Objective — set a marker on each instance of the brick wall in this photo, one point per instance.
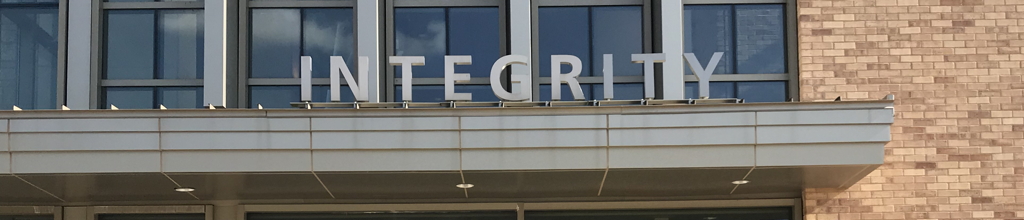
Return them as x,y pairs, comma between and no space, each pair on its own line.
957,149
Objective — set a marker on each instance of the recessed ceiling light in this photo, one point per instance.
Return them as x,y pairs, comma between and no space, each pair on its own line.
464,186
740,182
184,189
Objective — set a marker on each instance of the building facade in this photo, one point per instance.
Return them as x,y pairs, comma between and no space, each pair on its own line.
444,109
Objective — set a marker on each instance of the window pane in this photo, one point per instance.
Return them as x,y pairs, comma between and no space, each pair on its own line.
283,96
275,49
180,44
677,214
563,30
481,93
28,58
762,91
631,91
448,215
421,32
474,31
28,1
129,97
617,31
129,47
154,0
760,39
709,29
328,32
718,90
180,97
588,91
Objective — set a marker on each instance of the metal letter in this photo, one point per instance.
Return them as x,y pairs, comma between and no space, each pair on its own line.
672,85
649,59
368,38
306,78
407,62
450,78
360,90
525,87
557,78
703,74
608,77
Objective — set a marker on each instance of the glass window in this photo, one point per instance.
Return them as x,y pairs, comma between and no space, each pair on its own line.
28,55
449,215
161,47
151,217
26,217
751,37
589,33
280,36
751,91
153,97
481,93
782,213
278,96
436,32
154,44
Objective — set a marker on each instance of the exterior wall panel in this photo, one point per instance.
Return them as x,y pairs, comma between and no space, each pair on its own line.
85,162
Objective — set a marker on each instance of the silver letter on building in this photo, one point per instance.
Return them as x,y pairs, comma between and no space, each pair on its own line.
557,78
703,74
525,87
407,62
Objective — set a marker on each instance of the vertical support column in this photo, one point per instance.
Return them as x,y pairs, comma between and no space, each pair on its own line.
224,212
368,36
672,45
76,213
215,50
79,54
521,40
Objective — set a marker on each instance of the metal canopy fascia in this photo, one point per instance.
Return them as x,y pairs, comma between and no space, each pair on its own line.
523,154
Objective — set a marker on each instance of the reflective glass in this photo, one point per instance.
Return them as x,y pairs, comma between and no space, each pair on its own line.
281,36
718,90
709,29
447,215
328,32
149,44
421,32
154,0
275,46
752,37
28,1
145,98
130,45
760,39
761,91
588,92
28,57
283,96
783,213
622,91
180,44
563,30
129,97
617,31
180,97
474,31
481,93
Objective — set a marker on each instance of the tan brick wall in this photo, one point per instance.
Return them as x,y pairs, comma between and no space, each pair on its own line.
957,149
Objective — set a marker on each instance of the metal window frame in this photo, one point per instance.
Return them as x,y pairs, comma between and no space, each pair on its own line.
99,54
62,45
792,75
244,46
796,205
648,38
391,82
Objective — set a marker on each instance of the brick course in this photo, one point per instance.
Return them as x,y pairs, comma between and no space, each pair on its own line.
957,149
